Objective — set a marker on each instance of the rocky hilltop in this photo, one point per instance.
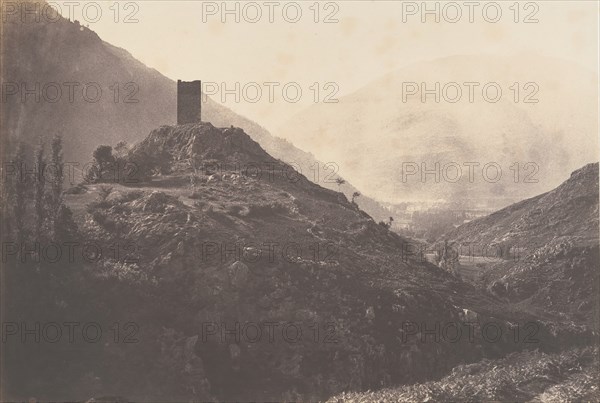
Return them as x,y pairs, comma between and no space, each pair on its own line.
134,99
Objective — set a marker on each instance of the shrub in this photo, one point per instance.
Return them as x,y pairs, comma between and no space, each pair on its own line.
262,210
77,189
238,210
200,205
560,377
104,192
99,217
130,196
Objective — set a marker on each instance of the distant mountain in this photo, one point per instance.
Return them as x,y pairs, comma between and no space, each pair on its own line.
52,54
551,248
373,131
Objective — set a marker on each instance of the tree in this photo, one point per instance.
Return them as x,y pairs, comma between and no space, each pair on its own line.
20,187
448,258
103,156
355,195
6,193
387,224
121,149
58,165
104,160
65,228
139,167
339,182
39,189
62,223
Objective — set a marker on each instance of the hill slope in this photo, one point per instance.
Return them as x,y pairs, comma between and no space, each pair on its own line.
550,243
216,250
530,376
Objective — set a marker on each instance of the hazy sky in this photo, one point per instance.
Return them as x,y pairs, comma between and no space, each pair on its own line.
366,39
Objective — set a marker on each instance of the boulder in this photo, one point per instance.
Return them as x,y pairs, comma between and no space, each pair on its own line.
238,274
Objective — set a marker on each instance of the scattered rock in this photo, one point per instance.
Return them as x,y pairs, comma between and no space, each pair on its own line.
238,274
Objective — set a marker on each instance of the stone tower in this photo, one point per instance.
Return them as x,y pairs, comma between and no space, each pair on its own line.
189,101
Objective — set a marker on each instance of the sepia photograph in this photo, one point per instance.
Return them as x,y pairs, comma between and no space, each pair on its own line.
345,201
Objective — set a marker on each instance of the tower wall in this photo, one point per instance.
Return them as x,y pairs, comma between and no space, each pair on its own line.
189,101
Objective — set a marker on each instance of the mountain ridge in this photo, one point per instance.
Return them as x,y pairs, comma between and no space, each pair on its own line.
390,125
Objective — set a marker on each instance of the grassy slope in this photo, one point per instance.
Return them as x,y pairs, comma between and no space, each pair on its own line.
529,376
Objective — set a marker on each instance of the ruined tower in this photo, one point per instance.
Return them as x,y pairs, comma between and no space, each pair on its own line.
189,101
